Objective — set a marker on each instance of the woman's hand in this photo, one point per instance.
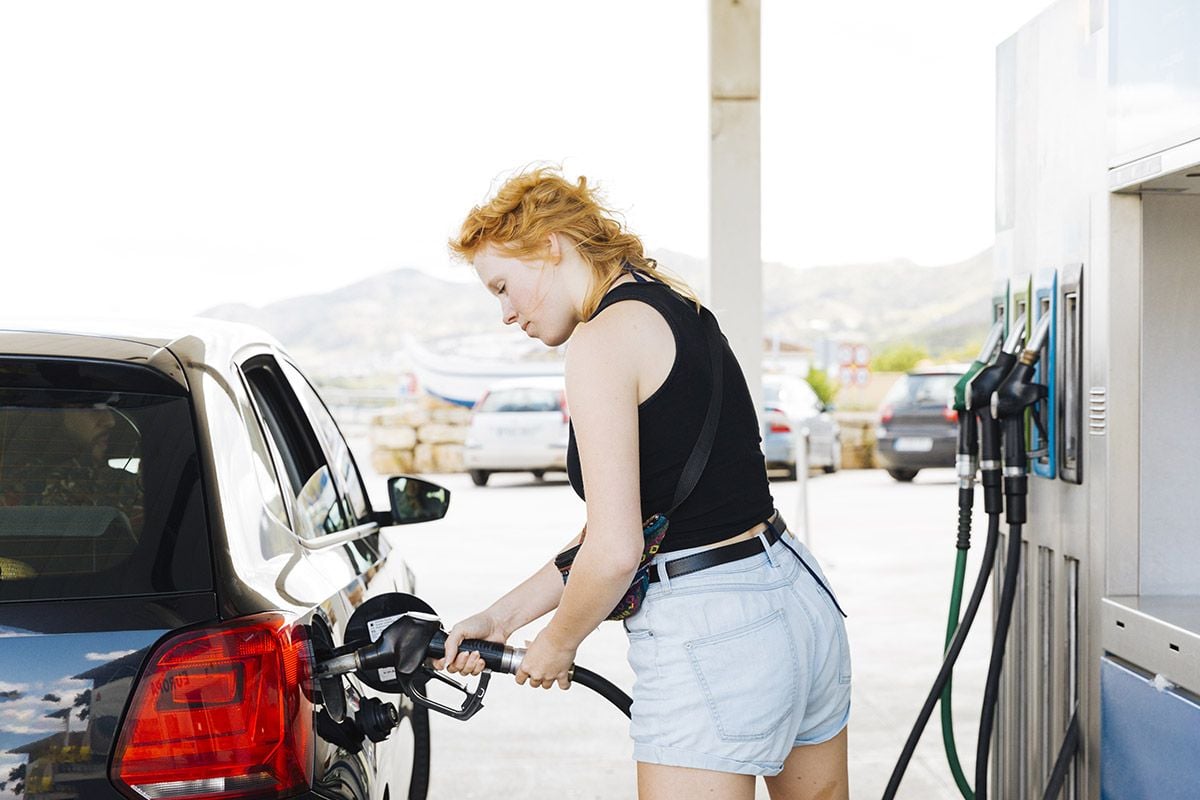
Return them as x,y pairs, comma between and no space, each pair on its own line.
483,625
546,663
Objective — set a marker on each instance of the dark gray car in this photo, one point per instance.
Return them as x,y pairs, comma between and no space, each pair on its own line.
183,531
918,427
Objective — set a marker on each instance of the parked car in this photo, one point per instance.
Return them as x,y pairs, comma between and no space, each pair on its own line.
519,425
790,406
918,426
183,532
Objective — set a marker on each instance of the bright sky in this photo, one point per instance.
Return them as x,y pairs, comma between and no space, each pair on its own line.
169,156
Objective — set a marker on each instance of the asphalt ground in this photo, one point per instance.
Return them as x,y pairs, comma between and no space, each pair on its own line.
888,549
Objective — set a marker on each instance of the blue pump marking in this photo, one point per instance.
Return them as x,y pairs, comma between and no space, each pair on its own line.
1046,371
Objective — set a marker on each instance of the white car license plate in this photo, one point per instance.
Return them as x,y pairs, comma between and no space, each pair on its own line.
516,432
913,444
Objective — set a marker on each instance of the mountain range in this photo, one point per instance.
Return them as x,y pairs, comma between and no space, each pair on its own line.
362,328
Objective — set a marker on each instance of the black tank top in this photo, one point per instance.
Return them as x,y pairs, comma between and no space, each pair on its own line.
732,494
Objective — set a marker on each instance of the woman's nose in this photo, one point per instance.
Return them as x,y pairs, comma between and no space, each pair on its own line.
507,315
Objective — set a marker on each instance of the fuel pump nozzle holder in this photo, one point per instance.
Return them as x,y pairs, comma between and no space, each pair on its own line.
979,394
967,460
1018,393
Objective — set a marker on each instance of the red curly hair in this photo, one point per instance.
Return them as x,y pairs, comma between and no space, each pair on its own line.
537,202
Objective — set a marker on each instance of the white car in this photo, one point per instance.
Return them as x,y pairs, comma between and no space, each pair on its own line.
790,406
519,425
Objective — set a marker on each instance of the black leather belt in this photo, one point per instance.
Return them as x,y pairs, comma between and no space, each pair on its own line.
722,555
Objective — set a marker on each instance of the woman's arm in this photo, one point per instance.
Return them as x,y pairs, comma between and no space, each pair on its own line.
603,388
602,384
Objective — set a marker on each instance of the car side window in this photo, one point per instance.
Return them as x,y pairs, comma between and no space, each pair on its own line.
319,505
264,467
341,459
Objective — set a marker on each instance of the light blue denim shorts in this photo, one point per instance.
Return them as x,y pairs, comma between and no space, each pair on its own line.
737,664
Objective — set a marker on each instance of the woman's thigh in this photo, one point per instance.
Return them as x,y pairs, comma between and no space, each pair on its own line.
814,772
660,782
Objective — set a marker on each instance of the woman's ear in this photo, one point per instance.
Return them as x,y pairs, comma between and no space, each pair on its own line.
553,249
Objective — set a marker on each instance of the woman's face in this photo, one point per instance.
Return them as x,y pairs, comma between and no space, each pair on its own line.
532,294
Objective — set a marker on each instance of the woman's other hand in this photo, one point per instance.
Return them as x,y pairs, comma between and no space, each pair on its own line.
546,663
483,625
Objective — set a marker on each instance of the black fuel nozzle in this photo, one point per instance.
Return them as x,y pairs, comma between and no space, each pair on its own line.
403,645
395,661
390,640
967,458
978,397
968,437
400,647
1017,394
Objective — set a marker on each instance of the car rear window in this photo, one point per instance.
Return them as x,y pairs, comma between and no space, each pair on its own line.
935,389
512,400
100,491
795,393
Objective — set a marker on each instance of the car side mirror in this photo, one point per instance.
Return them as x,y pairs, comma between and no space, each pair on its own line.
415,500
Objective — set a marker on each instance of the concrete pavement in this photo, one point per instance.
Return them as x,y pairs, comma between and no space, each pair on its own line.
888,549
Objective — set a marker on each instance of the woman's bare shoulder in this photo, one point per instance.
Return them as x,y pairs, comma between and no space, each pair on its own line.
629,340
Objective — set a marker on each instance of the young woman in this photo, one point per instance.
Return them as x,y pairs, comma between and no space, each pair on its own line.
739,651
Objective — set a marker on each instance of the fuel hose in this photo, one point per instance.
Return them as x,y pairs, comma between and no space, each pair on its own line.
967,462
952,653
946,705
501,658
991,692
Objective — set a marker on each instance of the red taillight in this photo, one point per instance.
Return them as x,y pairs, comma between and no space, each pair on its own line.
951,414
188,687
777,421
221,712
885,414
562,404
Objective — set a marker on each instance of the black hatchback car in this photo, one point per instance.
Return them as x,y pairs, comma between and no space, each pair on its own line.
183,531
918,426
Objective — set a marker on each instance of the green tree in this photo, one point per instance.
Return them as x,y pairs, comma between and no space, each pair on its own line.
83,701
899,357
966,354
825,388
16,776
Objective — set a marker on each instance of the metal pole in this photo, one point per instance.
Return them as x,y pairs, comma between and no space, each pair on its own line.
735,185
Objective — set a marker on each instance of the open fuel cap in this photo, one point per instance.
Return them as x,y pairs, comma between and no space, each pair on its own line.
371,619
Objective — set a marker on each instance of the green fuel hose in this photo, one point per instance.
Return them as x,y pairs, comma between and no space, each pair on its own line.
960,571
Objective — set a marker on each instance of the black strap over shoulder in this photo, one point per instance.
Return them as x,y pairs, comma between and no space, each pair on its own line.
708,431
693,468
